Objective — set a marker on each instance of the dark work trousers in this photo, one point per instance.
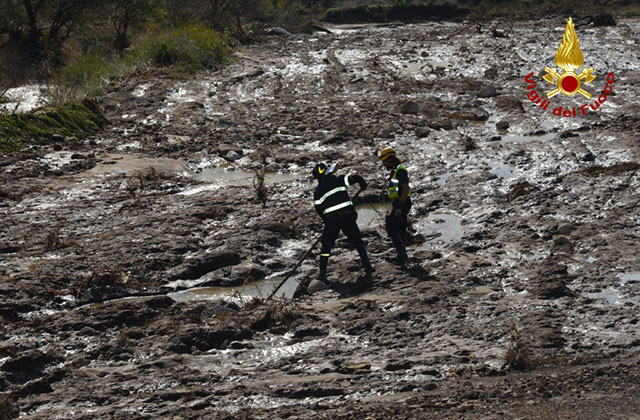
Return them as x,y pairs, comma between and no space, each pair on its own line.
334,223
397,228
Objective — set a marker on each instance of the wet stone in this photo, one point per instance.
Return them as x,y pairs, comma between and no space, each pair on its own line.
232,156
316,286
422,132
488,91
565,229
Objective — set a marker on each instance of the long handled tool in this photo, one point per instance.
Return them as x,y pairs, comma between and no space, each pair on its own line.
304,257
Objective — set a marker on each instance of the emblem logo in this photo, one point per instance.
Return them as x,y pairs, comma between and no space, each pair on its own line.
569,57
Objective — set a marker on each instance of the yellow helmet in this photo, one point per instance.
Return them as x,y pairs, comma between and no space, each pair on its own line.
386,153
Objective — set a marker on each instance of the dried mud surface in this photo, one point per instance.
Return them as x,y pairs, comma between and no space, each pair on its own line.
526,305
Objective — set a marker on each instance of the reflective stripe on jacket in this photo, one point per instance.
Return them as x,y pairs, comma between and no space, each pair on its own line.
331,194
394,184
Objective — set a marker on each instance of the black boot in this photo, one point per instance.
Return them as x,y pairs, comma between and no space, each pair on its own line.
365,259
324,261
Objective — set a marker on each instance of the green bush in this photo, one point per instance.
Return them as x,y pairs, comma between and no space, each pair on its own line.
191,48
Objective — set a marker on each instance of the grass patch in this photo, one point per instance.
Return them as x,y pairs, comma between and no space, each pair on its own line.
87,76
79,119
190,48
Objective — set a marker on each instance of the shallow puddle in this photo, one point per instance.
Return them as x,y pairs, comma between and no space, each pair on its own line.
238,178
370,215
502,170
244,293
609,294
518,138
440,230
626,278
442,179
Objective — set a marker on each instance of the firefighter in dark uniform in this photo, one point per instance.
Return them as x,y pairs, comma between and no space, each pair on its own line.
333,204
399,192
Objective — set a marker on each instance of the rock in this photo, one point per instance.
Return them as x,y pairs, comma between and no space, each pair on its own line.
224,149
28,365
204,264
398,365
101,293
568,134
491,73
232,156
316,286
422,132
386,133
272,168
246,273
502,125
409,107
237,138
355,368
279,31
565,229
441,124
309,331
57,138
159,302
561,240
488,92
210,314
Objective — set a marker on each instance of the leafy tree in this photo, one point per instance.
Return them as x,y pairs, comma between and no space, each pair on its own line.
127,14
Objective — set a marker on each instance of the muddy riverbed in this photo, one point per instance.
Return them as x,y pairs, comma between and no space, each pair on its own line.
134,265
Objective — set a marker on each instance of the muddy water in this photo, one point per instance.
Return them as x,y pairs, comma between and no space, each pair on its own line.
629,277
443,228
371,215
243,294
226,177
440,229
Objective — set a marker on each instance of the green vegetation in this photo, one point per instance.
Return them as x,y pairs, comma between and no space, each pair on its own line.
78,47
403,11
599,11
191,47
69,119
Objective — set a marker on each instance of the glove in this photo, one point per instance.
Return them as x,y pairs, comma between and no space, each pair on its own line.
397,212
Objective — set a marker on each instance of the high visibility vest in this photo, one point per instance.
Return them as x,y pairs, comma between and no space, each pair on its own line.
394,184
336,198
